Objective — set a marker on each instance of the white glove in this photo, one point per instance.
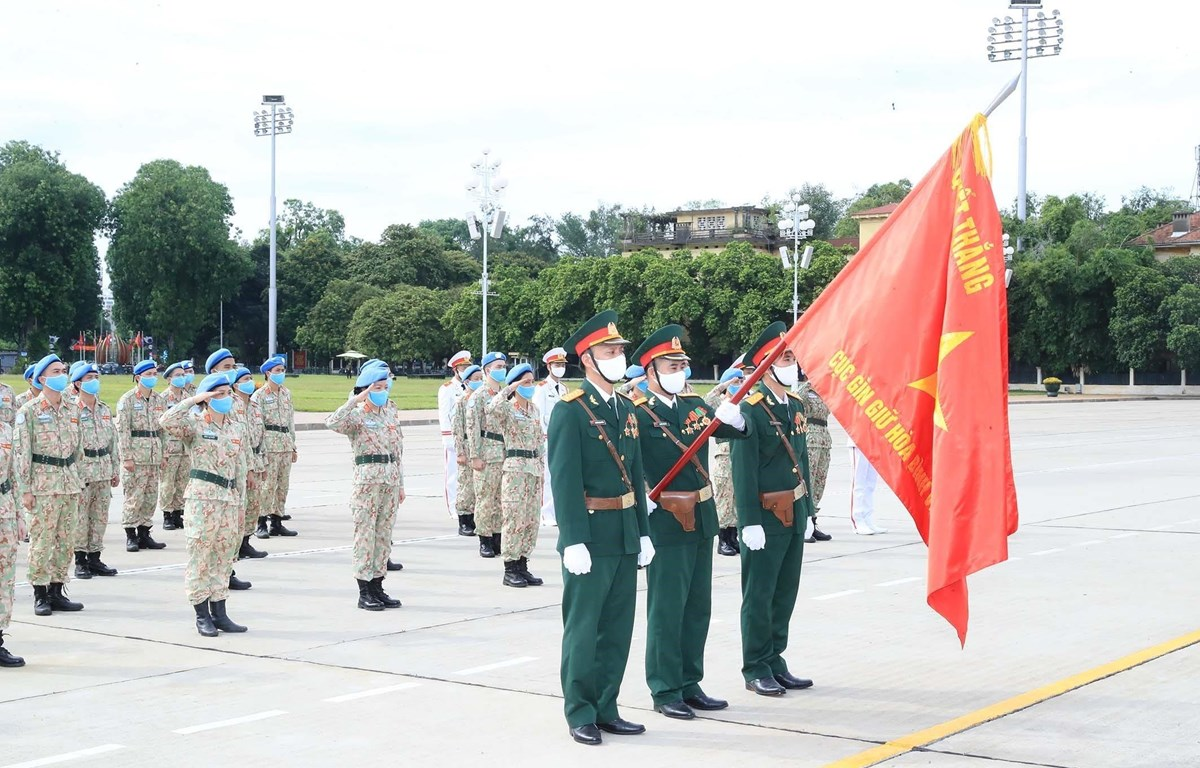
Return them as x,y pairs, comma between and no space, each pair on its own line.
731,415
647,553
650,505
754,537
577,559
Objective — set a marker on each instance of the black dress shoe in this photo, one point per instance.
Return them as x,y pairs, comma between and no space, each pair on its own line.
766,686
705,703
395,566
586,734
622,727
237,584
791,682
820,535
676,709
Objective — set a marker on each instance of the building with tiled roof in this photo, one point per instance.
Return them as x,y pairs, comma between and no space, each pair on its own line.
1178,237
870,220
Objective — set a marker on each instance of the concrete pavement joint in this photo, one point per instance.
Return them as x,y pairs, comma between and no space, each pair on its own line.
103,685
990,758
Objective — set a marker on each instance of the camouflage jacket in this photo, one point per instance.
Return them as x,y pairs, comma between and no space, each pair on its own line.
99,439
47,449
522,431
376,439
279,419
141,415
479,426
218,470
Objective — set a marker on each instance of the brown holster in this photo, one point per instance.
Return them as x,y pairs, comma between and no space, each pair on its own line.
779,503
681,504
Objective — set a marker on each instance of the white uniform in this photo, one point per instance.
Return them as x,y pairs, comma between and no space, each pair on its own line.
549,391
862,492
448,396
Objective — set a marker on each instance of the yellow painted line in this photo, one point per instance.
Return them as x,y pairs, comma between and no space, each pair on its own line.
905,744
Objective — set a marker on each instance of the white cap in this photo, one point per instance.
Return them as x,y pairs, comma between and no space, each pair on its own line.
459,358
556,355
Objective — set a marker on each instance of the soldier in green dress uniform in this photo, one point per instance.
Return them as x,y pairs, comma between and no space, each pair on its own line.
682,526
770,486
603,532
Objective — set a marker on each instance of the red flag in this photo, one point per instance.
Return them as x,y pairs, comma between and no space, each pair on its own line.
909,347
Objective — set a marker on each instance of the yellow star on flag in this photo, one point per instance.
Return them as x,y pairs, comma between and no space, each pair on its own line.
928,385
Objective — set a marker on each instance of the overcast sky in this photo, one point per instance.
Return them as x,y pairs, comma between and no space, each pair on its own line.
638,103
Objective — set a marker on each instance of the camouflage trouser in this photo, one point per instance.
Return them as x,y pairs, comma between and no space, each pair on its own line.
141,495
818,466
92,519
722,481
8,558
488,516
279,475
212,530
521,506
254,502
464,500
51,534
172,482
374,510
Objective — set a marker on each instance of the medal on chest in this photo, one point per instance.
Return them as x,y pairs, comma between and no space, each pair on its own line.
696,420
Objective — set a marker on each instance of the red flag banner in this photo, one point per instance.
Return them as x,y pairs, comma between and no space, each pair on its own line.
909,348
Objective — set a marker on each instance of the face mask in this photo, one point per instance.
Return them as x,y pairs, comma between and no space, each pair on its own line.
558,371
613,369
498,374
179,382
526,391
687,372
149,381
92,387
189,379
644,386
57,383
672,383
221,405
733,388
786,375
278,378
378,399
246,387
474,385
389,388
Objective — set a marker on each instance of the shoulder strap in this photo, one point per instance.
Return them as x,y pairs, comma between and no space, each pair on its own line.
612,449
662,425
787,444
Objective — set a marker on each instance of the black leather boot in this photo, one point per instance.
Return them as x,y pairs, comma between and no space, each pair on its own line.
727,543
81,566
277,528
394,566
523,571
469,522
463,528
485,547
131,540
261,531
6,658
247,552
179,519
59,601
511,577
221,620
496,544
366,599
204,622
145,542
236,584
41,601
169,520
818,534
378,593
97,566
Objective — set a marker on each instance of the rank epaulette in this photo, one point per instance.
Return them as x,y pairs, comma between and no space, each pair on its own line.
690,394
573,395
754,398
794,396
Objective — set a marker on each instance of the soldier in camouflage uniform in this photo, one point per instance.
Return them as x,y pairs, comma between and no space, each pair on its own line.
12,530
279,445
141,444
722,470
99,470
46,446
213,499
189,370
252,418
512,412
464,499
485,449
8,404
34,390
378,446
820,444
222,361
174,476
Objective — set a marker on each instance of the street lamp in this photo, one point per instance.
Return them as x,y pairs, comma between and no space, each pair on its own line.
277,121
1003,45
1008,260
794,217
487,219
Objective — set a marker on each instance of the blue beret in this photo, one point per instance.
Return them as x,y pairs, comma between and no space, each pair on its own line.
518,372
372,361
378,364
81,369
29,372
732,373
172,368
216,357
75,366
271,362
186,364
492,357
144,366
470,371
238,373
634,371
212,381
371,374
43,364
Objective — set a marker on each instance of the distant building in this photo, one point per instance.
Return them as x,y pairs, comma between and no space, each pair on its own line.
870,220
1179,237
707,229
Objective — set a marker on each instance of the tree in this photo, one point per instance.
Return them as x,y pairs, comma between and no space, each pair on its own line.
825,209
303,273
49,267
300,220
403,324
597,235
325,329
1182,311
1138,327
876,195
171,258
408,255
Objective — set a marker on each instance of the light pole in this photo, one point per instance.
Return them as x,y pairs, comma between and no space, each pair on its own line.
277,121
794,217
1003,46
488,219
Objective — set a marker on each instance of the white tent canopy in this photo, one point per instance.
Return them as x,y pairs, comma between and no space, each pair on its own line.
351,354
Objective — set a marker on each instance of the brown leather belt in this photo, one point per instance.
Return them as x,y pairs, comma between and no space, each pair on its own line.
595,504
